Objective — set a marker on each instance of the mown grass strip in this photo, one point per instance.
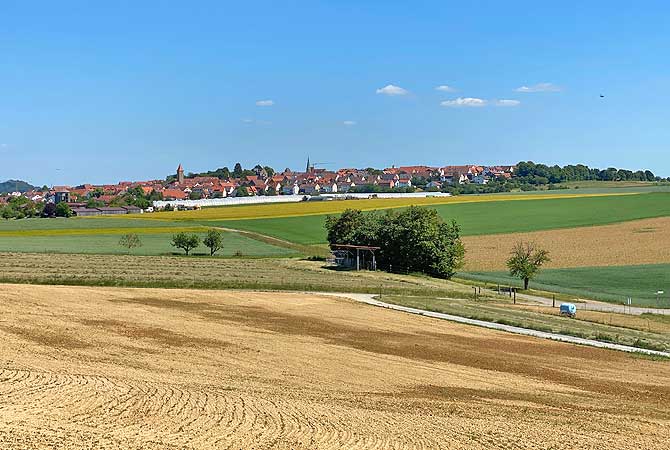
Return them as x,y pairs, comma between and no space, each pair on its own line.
103,231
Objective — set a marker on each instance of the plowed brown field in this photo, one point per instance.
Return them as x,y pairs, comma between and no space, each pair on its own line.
148,368
637,242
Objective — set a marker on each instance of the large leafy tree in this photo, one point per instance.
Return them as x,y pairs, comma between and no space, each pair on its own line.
414,240
63,210
353,227
185,241
213,241
418,240
526,261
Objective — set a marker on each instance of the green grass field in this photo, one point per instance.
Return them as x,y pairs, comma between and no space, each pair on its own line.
612,284
489,217
83,223
152,244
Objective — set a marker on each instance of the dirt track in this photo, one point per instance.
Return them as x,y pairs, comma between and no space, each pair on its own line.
110,368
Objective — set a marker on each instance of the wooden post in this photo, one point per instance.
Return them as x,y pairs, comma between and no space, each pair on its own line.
515,296
475,288
553,300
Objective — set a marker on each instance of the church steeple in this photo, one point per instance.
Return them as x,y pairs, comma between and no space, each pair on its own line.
309,168
180,174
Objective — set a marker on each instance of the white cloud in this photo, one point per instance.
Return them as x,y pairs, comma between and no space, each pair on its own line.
265,103
256,122
464,102
539,87
445,88
392,90
506,102
349,123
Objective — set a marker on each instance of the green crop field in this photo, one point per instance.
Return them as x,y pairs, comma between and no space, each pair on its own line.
489,217
612,284
83,223
152,244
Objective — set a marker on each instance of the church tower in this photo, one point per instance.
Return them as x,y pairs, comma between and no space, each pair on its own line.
180,174
309,166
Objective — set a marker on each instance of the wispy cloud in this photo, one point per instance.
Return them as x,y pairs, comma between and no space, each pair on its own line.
539,87
265,103
392,90
445,88
507,102
256,122
467,102
349,123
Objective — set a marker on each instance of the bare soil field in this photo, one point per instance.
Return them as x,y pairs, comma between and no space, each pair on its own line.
638,242
86,367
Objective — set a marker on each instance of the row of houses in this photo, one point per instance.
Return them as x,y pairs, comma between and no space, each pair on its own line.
315,181
310,182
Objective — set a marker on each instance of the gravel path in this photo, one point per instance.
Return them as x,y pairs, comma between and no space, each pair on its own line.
370,299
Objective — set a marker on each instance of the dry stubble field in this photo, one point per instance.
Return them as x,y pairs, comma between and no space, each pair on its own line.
89,367
637,242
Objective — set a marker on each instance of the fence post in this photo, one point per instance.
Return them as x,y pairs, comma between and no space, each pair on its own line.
553,300
515,296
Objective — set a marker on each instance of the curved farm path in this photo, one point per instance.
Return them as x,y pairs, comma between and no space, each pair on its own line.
115,368
371,299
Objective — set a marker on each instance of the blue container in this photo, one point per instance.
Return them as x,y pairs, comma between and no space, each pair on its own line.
568,309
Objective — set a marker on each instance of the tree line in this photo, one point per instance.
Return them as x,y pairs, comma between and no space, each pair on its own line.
540,174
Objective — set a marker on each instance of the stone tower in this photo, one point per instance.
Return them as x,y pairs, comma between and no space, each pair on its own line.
180,174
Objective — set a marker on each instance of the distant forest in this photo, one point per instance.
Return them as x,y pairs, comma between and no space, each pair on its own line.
539,174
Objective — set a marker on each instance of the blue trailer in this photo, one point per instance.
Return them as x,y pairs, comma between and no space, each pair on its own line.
568,309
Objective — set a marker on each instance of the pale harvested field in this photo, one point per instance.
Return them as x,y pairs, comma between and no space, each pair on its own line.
148,368
637,242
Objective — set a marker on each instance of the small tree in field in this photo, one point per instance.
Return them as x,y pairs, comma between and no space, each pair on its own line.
130,241
186,242
526,260
213,241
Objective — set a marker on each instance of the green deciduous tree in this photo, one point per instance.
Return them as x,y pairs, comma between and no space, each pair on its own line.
526,260
213,241
63,210
414,240
418,240
186,242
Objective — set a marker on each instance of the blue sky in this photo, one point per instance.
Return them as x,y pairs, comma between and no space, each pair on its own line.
102,93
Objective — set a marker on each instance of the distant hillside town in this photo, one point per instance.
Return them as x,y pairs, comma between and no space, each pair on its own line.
138,196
